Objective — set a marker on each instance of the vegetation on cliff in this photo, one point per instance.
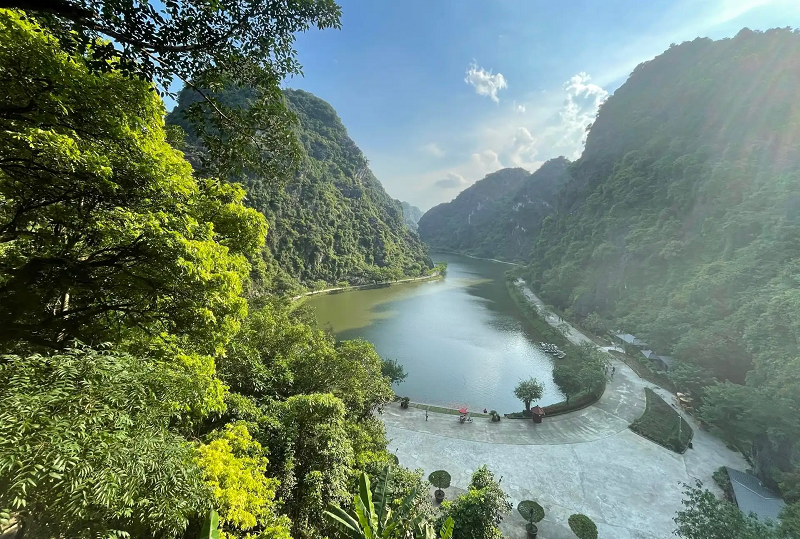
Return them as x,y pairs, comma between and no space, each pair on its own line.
332,221
499,216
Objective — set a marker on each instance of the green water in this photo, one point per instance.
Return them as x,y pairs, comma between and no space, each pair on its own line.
461,339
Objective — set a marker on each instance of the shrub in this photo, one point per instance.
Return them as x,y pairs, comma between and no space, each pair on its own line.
530,511
439,479
404,402
582,526
721,478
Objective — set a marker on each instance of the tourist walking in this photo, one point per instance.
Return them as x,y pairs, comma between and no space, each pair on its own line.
426,415
613,370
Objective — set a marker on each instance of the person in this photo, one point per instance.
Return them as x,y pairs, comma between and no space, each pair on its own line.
613,370
484,411
426,415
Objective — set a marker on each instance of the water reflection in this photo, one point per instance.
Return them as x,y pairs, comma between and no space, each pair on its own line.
461,339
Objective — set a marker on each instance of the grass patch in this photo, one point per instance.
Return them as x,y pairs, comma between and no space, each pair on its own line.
663,425
578,402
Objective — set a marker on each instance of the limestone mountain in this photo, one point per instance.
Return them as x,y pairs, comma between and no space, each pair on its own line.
411,215
498,216
333,221
681,224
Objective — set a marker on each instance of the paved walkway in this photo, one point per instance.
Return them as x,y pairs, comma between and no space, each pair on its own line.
587,461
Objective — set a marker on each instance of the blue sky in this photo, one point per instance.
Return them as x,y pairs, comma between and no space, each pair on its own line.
439,93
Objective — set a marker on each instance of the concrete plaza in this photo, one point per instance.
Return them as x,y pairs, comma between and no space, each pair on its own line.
583,462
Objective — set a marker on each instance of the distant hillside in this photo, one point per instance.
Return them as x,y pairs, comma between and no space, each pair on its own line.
333,222
411,215
498,216
682,225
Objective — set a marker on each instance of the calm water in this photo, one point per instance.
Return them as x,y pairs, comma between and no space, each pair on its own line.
461,339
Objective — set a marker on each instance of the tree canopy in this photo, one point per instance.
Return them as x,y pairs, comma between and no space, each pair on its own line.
528,391
101,221
242,43
180,399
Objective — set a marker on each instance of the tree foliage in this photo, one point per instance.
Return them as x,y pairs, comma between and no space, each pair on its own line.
582,526
107,235
478,513
241,43
528,391
498,216
706,517
101,221
439,479
235,467
333,220
567,380
530,511
86,450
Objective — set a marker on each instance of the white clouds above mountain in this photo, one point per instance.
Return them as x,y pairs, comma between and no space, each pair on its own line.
451,181
580,109
484,82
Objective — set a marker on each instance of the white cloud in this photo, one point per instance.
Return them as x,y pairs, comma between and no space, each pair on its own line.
521,108
579,110
451,181
432,149
484,82
522,151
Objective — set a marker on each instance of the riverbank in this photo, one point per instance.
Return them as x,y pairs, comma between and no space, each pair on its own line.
445,251
384,284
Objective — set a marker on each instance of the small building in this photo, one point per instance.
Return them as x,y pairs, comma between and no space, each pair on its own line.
628,339
666,362
663,363
752,497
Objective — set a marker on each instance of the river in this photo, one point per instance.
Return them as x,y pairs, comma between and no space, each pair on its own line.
461,339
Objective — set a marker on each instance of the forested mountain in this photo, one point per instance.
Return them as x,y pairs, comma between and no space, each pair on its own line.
411,214
498,216
681,224
143,394
333,221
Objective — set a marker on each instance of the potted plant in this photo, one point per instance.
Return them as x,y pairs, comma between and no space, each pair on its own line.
495,416
582,526
441,480
404,402
533,513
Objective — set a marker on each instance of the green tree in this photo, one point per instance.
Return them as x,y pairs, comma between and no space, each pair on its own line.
101,221
706,517
529,390
582,526
236,42
85,449
393,370
235,468
789,526
312,456
567,380
691,379
478,513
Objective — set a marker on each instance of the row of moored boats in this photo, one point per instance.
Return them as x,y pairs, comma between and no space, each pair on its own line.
552,349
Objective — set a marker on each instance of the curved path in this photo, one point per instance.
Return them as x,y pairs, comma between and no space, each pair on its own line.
583,462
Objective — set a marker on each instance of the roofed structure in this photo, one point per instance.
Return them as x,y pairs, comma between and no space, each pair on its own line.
752,497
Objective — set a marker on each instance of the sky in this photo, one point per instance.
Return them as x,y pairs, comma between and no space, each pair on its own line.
439,93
